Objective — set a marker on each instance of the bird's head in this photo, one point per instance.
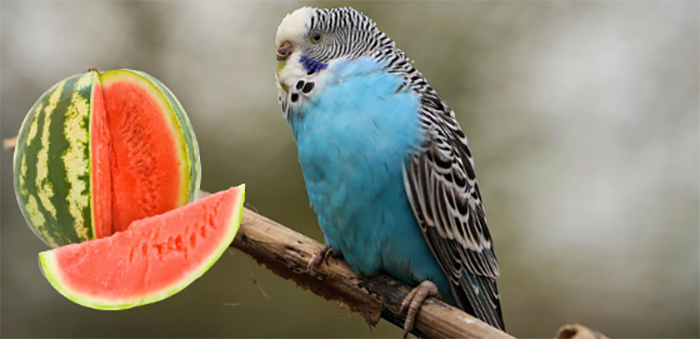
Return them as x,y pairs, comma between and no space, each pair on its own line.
309,38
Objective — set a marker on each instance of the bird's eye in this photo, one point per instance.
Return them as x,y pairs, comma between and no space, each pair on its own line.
316,37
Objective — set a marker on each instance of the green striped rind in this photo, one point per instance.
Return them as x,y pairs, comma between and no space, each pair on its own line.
51,270
192,148
52,163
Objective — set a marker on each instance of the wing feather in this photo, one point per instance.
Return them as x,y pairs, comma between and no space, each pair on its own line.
444,195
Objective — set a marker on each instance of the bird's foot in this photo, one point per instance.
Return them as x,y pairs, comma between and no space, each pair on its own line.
414,300
321,254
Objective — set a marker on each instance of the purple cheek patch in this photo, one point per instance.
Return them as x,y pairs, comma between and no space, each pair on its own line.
312,66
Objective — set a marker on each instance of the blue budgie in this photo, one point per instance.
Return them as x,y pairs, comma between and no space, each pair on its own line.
386,164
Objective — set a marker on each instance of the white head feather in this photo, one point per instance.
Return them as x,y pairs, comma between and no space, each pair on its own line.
294,26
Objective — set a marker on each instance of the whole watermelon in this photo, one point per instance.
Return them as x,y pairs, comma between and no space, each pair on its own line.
100,150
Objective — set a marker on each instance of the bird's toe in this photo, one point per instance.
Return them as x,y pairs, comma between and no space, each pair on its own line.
320,255
414,300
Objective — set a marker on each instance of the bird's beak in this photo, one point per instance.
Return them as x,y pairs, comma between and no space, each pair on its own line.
284,51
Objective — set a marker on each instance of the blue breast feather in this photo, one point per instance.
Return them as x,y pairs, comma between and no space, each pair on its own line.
354,134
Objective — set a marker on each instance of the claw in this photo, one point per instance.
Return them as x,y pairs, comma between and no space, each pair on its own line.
414,300
321,254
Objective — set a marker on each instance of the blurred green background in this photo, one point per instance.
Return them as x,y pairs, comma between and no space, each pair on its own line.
582,116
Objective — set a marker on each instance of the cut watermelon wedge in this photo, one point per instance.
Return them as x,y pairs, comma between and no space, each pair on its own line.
153,259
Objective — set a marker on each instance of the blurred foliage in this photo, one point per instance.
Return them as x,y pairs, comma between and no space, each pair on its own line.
582,116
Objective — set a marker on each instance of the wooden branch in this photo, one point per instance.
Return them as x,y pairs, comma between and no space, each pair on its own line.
9,143
287,253
577,331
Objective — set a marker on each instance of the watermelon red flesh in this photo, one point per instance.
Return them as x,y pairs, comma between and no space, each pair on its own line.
153,259
101,172
145,163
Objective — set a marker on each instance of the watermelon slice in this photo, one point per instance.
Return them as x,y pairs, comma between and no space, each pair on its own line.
153,259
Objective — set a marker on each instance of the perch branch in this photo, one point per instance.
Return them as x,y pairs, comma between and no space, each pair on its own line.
287,253
577,331
9,143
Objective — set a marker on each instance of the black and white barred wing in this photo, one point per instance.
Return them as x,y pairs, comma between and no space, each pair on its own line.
445,198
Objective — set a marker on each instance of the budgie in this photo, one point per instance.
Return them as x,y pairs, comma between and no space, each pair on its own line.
385,162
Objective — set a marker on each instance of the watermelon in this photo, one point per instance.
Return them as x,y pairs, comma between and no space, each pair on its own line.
100,150
153,259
